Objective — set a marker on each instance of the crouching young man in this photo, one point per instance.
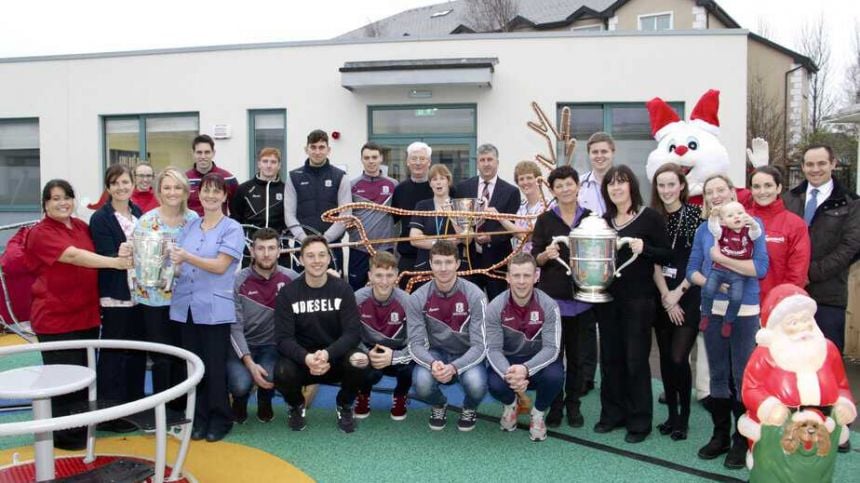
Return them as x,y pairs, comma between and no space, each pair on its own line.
316,330
523,335
445,325
382,308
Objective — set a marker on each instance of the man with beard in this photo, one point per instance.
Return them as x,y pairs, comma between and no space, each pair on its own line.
793,368
252,336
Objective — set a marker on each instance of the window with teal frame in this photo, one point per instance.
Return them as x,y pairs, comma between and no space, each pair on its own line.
19,165
627,122
449,129
162,140
267,128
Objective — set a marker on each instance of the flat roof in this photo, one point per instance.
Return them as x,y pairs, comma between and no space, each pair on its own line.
334,42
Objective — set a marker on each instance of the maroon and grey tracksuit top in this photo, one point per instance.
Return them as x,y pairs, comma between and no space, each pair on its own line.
255,308
532,331
377,224
451,322
384,323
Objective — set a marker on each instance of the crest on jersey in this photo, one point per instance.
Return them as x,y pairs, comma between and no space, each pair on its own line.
459,307
534,316
385,190
394,319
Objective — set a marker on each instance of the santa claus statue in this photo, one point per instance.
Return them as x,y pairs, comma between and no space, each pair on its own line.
695,144
796,394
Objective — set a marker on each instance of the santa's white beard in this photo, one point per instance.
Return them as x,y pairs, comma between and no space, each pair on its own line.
799,355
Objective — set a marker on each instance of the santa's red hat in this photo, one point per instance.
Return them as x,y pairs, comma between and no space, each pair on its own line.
783,300
662,116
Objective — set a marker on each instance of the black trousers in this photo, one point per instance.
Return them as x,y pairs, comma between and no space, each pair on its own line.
290,377
121,373
625,345
405,264
167,371
573,336
402,372
589,353
211,343
76,401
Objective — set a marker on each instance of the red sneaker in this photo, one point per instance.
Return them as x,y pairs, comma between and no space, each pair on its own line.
362,406
398,407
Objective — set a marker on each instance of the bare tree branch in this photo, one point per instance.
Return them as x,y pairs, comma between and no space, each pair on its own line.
763,28
815,44
765,119
852,80
490,15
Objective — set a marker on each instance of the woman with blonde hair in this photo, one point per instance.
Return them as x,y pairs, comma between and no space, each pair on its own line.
172,190
727,357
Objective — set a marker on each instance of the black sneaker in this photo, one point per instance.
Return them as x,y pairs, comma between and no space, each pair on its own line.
264,410
438,417
467,420
345,420
737,456
553,417
297,418
240,409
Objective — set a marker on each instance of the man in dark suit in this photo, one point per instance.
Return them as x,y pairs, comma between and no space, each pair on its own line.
485,250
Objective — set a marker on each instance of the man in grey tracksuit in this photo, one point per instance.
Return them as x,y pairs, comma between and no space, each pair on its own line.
252,336
446,337
523,334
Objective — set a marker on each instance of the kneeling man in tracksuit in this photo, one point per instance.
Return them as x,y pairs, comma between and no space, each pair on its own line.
382,308
523,333
446,337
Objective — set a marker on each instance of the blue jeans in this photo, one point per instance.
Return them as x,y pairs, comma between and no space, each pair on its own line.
474,382
716,278
831,321
547,382
239,380
727,357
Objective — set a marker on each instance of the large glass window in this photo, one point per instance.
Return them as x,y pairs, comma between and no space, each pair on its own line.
19,165
629,125
161,139
449,130
655,22
267,129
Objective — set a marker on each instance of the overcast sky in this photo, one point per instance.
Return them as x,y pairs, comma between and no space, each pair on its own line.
43,27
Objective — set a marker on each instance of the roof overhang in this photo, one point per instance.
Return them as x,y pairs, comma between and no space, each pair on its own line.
848,115
418,73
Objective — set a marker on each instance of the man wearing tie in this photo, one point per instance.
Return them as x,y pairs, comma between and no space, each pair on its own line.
500,196
832,213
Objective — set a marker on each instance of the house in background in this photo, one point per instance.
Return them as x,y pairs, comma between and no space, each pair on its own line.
778,78
419,75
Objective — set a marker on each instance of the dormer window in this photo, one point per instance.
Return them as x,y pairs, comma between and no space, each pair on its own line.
656,22
441,13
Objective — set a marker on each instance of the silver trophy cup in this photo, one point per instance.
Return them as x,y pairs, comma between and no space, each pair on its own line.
151,259
468,224
593,245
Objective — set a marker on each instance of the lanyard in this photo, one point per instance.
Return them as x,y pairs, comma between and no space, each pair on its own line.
439,223
678,228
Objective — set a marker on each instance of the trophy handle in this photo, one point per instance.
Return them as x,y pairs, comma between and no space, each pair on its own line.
566,241
621,242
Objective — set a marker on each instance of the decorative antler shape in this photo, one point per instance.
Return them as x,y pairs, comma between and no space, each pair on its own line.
562,148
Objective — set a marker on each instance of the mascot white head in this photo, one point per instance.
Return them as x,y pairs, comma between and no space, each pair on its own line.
693,144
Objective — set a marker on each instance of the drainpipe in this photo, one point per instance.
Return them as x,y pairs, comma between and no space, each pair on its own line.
786,115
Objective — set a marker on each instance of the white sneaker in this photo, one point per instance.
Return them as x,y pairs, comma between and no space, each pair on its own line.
508,422
537,427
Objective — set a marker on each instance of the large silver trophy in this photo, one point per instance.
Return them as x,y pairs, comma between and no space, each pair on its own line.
468,224
152,267
593,246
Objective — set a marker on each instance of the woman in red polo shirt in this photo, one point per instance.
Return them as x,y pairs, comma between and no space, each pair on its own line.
65,302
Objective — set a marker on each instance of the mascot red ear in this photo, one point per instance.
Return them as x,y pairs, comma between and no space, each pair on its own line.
705,113
662,116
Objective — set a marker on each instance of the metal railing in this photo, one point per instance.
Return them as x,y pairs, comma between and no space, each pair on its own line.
155,401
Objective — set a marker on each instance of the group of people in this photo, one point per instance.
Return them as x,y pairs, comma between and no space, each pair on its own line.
274,328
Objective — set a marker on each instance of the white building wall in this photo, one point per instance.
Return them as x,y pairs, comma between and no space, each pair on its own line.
69,95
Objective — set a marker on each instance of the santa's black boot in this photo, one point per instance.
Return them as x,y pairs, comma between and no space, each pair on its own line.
721,416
